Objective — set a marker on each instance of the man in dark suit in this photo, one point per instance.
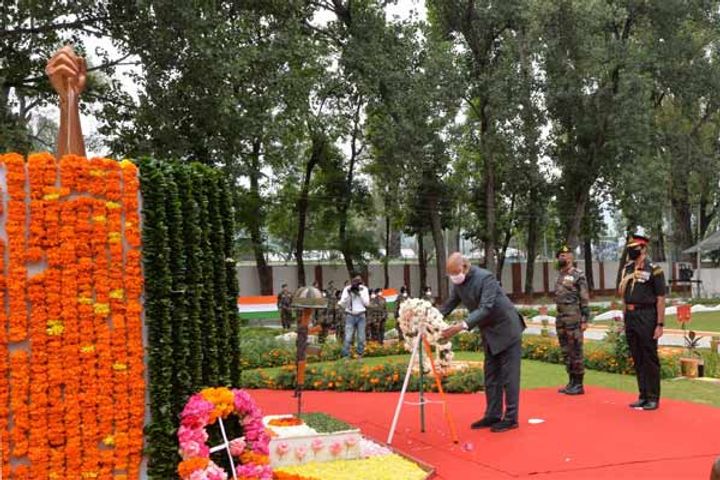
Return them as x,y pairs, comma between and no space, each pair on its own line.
501,327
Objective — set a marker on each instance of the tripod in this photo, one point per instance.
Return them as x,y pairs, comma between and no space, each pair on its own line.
417,351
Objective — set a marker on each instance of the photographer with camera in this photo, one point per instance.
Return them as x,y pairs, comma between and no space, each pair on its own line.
354,300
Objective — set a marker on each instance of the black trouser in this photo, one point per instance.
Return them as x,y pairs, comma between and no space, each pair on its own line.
502,376
640,327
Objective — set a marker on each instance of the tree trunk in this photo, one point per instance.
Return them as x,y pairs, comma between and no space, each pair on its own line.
589,264
395,248
439,240
255,225
680,204
532,239
422,263
318,147
386,260
575,223
345,205
658,250
490,214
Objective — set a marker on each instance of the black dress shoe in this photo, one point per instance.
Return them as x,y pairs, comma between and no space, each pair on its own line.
503,426
651,405
485,422
639,404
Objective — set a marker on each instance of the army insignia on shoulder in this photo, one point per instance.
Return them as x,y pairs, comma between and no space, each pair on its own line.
642,276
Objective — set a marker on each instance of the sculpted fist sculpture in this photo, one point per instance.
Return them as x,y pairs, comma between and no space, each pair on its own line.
68,74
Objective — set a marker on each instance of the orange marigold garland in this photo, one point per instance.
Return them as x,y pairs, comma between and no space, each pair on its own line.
15,228
73,346
4,372
73,282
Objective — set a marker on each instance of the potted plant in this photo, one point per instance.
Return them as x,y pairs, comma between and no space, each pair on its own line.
691,364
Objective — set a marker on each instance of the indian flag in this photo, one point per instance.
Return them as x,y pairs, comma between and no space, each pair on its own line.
265,306
258,307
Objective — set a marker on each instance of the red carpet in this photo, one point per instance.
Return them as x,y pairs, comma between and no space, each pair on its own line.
595,436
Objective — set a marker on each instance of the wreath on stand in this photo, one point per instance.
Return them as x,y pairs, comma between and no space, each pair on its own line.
250,452
417,315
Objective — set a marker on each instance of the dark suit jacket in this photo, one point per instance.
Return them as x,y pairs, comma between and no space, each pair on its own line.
490,309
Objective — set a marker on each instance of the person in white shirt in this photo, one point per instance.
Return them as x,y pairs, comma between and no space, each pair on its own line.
355,299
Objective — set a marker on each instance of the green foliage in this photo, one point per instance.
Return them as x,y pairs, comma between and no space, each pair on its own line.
344,376
324,423
186,296
264,352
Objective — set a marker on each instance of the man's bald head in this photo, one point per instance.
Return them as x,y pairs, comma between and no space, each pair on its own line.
456,264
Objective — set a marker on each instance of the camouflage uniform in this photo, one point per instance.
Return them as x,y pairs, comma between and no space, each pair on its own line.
398,301
383,318
374,316
339,319
284,303
572,299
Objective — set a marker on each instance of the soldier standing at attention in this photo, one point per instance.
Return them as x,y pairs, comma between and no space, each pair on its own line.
643,290
373,316
339,317
284,305
382,316
402,296
571,299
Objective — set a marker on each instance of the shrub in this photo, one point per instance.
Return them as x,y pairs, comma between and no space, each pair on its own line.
355,376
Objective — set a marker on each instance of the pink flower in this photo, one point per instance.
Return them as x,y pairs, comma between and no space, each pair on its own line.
196,413
263,472
300,452
198,475
214,472
237,447
317,445
282,449
351,441
336,448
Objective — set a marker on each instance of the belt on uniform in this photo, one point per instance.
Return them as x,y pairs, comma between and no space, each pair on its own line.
631,307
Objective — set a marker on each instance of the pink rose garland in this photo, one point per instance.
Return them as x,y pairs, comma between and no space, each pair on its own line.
193,436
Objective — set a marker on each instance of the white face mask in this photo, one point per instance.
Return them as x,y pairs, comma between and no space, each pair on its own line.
457,279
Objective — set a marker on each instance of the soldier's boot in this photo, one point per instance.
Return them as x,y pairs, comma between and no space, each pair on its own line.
577,386
568,386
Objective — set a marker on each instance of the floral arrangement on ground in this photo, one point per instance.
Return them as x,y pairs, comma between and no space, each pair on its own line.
322,447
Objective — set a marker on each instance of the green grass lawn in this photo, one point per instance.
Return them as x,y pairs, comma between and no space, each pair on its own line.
707,322
537,374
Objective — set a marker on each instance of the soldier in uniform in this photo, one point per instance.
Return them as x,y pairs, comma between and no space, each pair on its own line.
428,296
383,315
373,317
339,315
402,296
572,301
643,290
284,305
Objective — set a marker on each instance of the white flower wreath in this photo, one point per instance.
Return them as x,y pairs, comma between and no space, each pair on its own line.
418,315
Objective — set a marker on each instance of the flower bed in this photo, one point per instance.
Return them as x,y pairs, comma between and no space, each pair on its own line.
325,448
300,444
268,353
599,356
379,467
353,376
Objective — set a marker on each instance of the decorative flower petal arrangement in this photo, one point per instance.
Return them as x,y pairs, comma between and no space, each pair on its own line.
417,316
251,450
73,381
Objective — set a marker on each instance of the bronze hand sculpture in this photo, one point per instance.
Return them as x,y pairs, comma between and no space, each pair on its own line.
68,74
